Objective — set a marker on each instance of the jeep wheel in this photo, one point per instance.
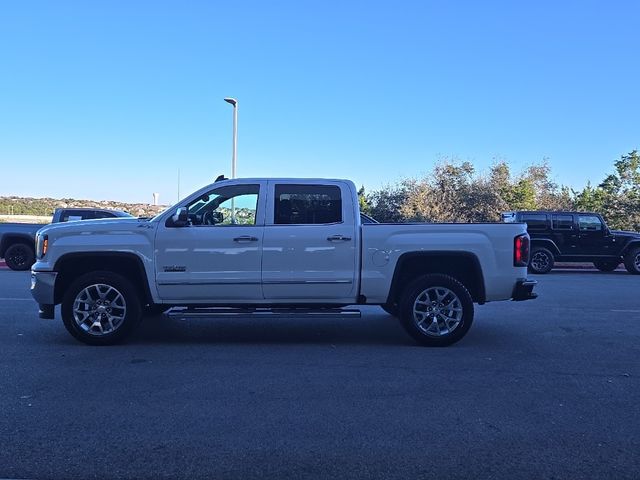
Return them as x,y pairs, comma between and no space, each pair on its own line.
541,260
436,310
101,308
632,261
19,256
606,265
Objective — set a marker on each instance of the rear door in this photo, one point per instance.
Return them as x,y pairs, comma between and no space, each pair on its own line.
310,243
564,233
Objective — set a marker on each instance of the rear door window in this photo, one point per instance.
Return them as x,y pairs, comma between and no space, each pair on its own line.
563,222
535,221
307,204
72,215
100,214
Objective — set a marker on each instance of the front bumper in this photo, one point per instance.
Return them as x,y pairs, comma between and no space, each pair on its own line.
42,290
524,290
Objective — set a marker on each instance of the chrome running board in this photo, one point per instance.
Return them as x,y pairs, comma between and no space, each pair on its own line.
185,313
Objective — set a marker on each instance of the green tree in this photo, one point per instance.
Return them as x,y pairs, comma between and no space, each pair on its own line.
363,201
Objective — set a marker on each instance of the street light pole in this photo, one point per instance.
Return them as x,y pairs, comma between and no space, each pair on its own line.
234,155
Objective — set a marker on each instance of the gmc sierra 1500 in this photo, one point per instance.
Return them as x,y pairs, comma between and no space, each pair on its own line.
275,247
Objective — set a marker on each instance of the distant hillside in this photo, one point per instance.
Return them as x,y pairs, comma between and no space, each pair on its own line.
46,206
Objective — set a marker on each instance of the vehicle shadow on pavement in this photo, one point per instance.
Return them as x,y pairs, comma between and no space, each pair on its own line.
582,272
373,330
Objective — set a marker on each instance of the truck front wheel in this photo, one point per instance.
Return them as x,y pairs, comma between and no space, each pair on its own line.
19,256
436,310
101,308
632,261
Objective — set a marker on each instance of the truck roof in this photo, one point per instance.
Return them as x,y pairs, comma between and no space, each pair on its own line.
284,179
558,212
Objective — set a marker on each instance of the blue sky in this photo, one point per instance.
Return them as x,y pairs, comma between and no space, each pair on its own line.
106,100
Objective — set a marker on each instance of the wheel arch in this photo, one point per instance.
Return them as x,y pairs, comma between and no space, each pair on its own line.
462,266
630,246
545,243
13,238
71,265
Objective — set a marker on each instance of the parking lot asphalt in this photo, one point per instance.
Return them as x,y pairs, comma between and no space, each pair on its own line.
548,388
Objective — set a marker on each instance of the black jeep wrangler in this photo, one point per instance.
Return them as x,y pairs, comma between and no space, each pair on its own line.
577,237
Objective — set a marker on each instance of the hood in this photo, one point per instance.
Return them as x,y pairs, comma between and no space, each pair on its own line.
92,226
623,233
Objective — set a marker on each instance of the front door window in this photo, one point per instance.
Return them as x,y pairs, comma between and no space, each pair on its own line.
231,205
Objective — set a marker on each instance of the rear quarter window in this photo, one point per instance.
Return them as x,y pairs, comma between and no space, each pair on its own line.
535,221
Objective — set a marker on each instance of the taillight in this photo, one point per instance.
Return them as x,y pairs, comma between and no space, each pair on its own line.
521,250
45,245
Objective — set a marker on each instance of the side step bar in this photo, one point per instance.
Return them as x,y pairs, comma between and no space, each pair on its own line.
185,313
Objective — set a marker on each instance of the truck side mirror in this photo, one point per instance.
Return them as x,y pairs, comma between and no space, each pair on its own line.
181,217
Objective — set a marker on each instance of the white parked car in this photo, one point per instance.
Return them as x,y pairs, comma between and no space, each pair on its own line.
275,247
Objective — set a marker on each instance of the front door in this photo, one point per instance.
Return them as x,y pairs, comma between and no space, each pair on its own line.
216,257
593,237
310,244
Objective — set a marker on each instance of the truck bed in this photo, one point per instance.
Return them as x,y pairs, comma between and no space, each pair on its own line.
490,244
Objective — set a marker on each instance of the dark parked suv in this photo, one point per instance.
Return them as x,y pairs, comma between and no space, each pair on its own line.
577,237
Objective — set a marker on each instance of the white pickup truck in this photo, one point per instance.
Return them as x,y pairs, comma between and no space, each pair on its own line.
275,247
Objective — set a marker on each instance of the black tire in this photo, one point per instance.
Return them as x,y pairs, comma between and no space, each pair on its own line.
131,314
390,308
19,256
541,260
424,287
606,265
632,261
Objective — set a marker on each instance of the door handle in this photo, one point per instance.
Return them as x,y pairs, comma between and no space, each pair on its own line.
338,238
245,238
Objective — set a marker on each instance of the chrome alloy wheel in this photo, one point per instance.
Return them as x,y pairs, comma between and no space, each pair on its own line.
437,311
636,262
540,261
99,309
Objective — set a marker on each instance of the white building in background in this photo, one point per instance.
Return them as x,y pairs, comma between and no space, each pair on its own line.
156,196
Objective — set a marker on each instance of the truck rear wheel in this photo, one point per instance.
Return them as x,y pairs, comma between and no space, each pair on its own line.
632,261
19,256
436,310
101,308
541,260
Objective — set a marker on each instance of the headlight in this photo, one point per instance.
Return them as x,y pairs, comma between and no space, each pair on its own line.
42,244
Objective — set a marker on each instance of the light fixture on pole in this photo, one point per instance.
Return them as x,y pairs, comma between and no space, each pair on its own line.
234,155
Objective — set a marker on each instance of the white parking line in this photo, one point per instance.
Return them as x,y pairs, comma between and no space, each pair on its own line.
14,299
626,311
